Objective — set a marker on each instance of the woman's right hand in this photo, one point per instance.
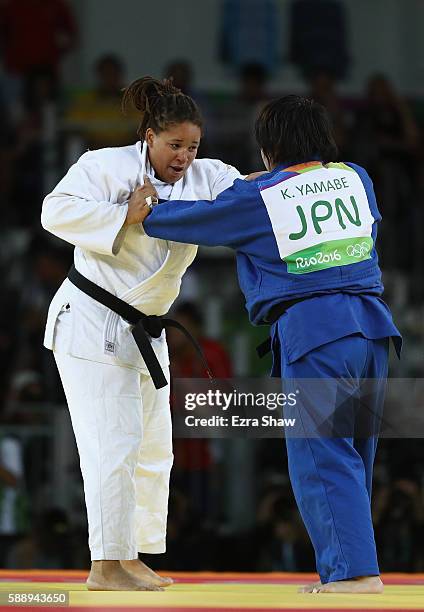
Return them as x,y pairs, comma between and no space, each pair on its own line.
138,208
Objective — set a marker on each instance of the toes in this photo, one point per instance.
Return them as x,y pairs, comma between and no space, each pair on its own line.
326,588
309,588
150,587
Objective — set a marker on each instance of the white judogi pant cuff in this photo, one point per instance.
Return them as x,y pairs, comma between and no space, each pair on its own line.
122,426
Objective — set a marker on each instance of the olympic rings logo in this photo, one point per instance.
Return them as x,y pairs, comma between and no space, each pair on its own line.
358,250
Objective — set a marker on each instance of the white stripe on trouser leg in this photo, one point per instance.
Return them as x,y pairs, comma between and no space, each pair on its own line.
105,403
153,467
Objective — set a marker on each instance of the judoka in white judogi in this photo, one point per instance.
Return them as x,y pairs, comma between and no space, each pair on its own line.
121,422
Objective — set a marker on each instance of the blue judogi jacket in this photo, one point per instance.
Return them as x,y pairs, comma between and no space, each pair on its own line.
301,230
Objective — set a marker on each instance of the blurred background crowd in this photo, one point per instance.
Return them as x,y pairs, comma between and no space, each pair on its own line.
61,80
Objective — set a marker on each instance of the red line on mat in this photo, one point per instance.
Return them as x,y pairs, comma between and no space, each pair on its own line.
391,581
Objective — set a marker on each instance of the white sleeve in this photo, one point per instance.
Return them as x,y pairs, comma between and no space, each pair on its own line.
225,178
78,209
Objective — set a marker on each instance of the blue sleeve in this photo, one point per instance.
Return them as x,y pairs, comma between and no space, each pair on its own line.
231,220
369,188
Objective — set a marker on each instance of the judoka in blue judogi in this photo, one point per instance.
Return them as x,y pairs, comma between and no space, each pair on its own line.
304,235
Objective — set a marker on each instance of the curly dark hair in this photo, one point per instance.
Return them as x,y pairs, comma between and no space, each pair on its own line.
160,104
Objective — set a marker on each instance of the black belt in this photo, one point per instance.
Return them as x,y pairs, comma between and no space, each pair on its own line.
274,314
145,326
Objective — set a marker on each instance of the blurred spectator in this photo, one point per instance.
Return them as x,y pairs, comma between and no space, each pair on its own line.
96,115
386,125
29,151
26,406
281,539
234,119
318,37
253,84
35,33
386,141
45,268
185,362
26,387
8,340
322,88
249,33
48,546
193,458
6,135
49,267
13,502
399,526
182,75
26,391
188,545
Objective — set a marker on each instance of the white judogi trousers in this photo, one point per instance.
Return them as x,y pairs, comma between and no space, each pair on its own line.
122,426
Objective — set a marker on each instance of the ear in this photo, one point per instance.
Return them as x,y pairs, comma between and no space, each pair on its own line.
266,161
149,137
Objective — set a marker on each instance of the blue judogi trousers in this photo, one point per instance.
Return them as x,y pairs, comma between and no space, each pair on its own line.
331,469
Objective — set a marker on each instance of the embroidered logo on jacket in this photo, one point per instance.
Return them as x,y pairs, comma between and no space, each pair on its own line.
109,347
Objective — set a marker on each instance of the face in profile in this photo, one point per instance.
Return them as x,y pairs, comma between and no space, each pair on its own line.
172,151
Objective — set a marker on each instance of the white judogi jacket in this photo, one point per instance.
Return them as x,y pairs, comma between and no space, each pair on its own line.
88,208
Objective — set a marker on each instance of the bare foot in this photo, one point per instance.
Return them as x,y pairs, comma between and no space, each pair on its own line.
140,570
310,588
362,584
110,576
